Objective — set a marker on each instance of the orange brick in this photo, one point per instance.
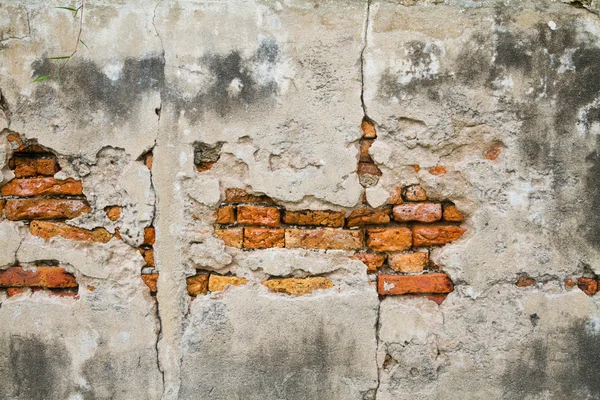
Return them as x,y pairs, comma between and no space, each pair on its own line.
588,285
451,213
218,282
425,235
42,187
333,219
225,215
368,216
263,238
438,170
493,152
236,195
416,167
47,230
149,236
14,291
396,197
151,280
410,263
297,286
148,255
525,281
26,167
16,210
368,129
113,212
422,212
368,169
389,239
415,193
569,283
21,146
371,260
414,284
197,285
50,277
364,155
231,237
324,239
148,160
259,215
437,298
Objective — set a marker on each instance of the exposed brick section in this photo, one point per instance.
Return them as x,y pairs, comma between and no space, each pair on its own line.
368,169
42,187
148,158
493,153
368,216
416,167
298,286
364,156
414,284
409,263
225,215
149,236
425,235
47,230
368,129
242,196
389,239
324,239
148,255
231,237
415,193
218,282
588,285
263,238
197,285
151,280
27,167
421,212
16,210
47,277
333,219
14,291
21,146
525,281
259,215
438,170
451,214
371,260
396,197
113,212
570,283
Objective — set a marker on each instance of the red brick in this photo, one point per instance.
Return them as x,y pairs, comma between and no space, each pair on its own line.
231,237
389,239
263,238
368,169
368,129
493,153
525,281
437,298
47,230
438,170
425,235
371,260
368,216
148,255
197,285
421,212
416,167
151,280
49,277
324,239
16,210
414,284
26,167
113,212
225,215
364,155
236,195
14,291
588,285
334,219
415,193
410,262
451,213
259,215
149,236
42,187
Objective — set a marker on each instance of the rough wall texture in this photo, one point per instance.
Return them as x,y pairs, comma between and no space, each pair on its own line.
300,200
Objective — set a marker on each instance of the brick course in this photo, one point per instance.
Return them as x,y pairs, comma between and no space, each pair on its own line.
16,210
414,284
324,239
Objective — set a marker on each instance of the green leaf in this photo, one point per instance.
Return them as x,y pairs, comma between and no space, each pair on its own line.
42,78
58,58
86,46
67,8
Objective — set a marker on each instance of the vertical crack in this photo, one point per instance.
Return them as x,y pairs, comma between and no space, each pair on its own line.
362,59
377,326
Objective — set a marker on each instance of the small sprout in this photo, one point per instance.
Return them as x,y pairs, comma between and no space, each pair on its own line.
75,11
86,46
58,58
41,78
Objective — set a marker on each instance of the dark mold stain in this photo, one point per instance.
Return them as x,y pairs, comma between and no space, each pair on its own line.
570,369
591,228
86,88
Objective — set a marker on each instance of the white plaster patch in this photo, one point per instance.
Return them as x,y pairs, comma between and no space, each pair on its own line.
113,70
